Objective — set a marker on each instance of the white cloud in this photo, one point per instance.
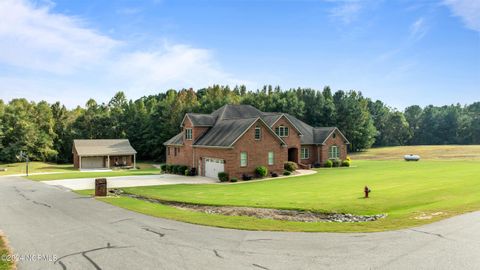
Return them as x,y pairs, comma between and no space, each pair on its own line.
467,10
76,60
418,29
34,38
346,11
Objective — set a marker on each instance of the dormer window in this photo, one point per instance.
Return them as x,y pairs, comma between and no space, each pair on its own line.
188,133
258,133
281,131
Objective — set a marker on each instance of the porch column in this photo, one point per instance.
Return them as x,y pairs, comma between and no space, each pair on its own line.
134,161
108,161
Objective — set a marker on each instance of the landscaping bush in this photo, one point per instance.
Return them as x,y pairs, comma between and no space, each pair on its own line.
328,164
175,169
193,171
345,163
246,177
317,165
181,169
187,172
290,166
168,168
337,162
223,176
274,174
163,168
261,171
287,172
233,179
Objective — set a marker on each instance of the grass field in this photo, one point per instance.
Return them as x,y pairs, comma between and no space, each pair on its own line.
411,193
34,167
430,152
144,169
4,264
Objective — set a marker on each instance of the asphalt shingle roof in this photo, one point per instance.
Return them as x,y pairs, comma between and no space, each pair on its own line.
225,132
103,147
231,121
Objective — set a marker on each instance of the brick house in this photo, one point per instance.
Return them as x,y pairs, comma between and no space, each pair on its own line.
238,138
103,154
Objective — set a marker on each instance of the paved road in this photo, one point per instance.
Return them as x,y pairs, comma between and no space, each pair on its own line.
132,181
88,234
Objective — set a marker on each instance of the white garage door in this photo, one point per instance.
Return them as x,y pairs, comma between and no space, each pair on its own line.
213,166
92,162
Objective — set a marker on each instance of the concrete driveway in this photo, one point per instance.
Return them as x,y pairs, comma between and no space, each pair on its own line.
132,181
84,233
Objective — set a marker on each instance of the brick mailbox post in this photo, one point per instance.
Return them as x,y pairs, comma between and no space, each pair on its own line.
101,187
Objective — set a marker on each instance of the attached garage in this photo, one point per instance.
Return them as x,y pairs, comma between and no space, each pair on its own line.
213,166
93,162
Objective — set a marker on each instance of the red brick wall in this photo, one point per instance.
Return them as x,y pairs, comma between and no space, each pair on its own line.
75,158
257,153
338,141
313,155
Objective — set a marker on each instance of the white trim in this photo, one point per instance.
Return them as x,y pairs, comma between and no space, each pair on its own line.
268,158
307,152
291,123
246,161
259,133
191,134
330,134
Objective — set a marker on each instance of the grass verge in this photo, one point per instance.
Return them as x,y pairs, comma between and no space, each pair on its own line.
4,251
411,194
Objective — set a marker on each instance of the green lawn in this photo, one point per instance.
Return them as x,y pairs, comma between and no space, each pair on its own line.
144,169
34,167
409,192
4,264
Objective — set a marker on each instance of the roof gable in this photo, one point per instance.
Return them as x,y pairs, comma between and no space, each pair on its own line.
103,147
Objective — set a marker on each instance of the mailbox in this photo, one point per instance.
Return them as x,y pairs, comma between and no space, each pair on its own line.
101,187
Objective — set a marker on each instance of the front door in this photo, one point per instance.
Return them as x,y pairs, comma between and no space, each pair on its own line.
293,154
213,166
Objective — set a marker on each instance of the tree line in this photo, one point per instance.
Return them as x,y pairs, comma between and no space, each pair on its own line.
46,131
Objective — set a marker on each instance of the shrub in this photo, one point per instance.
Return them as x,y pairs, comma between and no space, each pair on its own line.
290,166
246,177
193,171
187,172
317,165
328,163
181,169
223,176
168,168
261,171
163,168
233,179
337,162
274,174
348,158
173,168
287,172
345,163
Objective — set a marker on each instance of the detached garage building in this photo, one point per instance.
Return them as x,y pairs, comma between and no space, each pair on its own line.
103,154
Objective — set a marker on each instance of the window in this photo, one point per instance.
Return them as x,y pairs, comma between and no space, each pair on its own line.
305,153
258,133
270,158
188,133
281,131
175,151
243,159
333,152
168,151
334,135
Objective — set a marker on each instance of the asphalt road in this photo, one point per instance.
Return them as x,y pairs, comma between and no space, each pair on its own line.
87,234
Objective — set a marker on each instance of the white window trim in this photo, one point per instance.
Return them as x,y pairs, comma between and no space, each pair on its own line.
283,131
273,158
259,132
330,152
246,159
186,134
305,153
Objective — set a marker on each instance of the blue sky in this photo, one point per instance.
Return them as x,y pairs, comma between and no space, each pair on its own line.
401,52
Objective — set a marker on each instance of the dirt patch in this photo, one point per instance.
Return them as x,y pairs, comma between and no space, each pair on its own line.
262,213
424,216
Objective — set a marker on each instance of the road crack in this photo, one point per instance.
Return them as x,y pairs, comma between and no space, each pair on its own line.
153,231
